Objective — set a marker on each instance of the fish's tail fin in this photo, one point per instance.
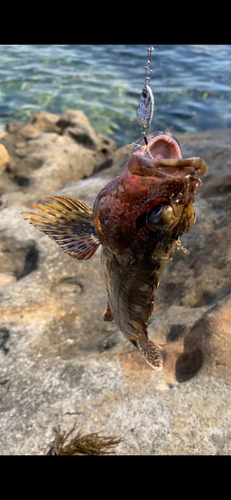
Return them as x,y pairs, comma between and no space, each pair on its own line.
151,354
69,222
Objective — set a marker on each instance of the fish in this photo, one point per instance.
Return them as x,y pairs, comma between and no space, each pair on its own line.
137,219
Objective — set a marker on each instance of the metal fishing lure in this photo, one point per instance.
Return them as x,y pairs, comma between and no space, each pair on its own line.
146,103
145,109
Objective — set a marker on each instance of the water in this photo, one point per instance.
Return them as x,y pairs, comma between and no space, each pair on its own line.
191,85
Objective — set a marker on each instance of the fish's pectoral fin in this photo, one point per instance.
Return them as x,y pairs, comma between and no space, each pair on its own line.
107,315
69,222
151,354
181,247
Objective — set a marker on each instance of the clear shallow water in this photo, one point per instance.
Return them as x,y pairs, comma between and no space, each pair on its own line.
191,85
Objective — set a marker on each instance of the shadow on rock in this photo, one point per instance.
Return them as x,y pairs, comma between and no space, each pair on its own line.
207,346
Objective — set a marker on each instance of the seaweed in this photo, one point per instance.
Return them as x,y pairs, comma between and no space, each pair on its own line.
88,444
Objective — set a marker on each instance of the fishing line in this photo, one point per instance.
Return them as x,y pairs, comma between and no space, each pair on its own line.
146,103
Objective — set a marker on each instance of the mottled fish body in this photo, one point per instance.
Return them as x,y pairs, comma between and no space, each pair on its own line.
138,219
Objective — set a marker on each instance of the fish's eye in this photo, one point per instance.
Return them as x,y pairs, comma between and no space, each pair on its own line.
160,217
156,210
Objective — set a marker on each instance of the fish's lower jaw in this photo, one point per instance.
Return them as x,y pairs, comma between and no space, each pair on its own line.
151,354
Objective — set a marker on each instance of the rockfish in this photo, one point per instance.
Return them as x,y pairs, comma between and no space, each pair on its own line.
138,219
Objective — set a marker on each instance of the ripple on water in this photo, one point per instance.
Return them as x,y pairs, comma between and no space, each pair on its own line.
191,85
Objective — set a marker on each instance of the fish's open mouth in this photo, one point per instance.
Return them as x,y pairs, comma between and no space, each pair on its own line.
161,145
161,157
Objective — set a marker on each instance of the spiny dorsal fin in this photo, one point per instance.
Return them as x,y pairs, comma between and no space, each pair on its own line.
69,222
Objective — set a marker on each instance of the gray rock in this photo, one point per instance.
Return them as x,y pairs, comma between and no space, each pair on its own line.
57,355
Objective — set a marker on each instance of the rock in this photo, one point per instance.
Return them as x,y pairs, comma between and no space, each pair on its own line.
83,135
6,279
13,127
57,355
75,124
39,123
72,118
4,158
2,133
44,156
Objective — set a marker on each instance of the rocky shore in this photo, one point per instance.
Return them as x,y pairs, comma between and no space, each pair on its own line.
57,356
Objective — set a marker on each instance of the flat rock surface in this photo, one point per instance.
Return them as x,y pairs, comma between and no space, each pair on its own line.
57,356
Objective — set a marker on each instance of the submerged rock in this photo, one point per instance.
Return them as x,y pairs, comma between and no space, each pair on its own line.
59,358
